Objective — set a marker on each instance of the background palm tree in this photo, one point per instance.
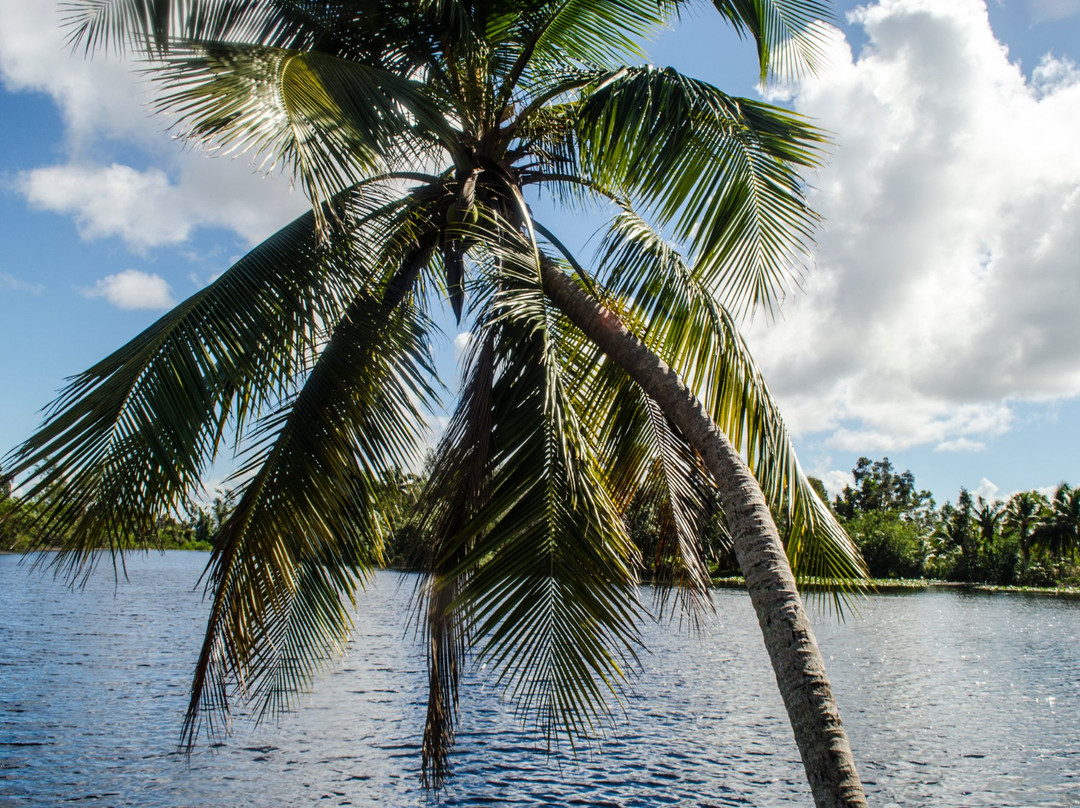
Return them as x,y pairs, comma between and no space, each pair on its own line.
958,529
988,516
1059,533
417,129
1023,514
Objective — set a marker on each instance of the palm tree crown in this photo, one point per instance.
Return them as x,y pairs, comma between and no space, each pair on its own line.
420,131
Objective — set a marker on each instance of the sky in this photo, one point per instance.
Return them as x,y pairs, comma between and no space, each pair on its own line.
938,326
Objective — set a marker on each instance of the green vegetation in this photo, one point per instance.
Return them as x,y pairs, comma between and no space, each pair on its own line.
19,531
1031,539
1028,541
907,541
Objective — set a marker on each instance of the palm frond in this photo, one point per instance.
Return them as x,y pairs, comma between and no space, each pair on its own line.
788,33
148,25
332,121
551,595
650,464
129,438
578,32
457,487
719,171
307,527
391,36
543,571
680,320
646,462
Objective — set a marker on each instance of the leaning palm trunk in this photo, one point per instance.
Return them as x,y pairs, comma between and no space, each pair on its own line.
789,639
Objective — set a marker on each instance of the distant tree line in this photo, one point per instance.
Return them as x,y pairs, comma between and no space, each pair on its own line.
653,521
195,531
1030,539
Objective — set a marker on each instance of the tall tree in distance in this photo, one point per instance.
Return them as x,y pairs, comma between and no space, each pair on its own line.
959,530
878,487
1023,514
419,130
988,516
1059,533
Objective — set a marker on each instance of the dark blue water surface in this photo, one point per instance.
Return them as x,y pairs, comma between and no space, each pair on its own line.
950,699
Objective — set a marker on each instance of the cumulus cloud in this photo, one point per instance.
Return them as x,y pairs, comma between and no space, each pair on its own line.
104,103
141,207
946,284
462,340
988,491
132,289
145,208
960,445
834,480
96,96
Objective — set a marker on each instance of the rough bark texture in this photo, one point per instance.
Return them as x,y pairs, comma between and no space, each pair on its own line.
796,660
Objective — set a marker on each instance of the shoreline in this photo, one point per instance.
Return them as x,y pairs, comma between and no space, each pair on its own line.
885,586
873,586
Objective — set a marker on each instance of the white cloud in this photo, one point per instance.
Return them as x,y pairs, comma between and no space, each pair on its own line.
104,103
988,490
461,344
835,480
141,207
960,445
1052,74
132,289
96,96
946,284
146,209
8,281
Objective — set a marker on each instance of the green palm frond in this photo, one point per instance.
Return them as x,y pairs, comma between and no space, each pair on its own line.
788,33
551,595
580,31
646,460
392,36
542,571
144,24
332,121
649,462
684,324
545,123
719,171
128,439
457,488
307,527
150,26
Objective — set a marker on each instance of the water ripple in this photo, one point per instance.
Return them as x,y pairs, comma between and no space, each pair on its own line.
949,698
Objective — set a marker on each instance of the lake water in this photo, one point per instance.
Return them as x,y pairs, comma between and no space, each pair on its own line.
950,699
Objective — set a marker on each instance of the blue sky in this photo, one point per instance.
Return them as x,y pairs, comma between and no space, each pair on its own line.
939,325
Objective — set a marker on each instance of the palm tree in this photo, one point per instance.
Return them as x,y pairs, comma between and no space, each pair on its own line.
988,516
1023,514
1059,533
418,130
957,530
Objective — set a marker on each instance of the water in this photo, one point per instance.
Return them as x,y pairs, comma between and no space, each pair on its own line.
950,699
